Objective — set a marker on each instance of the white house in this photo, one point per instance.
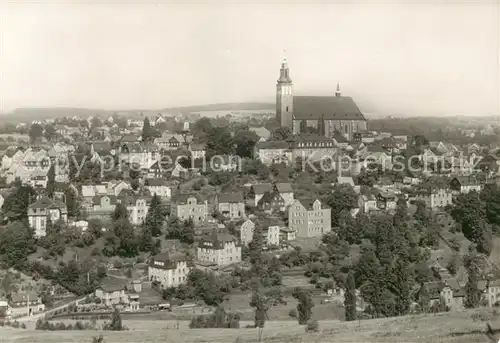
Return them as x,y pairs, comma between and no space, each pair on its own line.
41,210
159,187
170,269
220,249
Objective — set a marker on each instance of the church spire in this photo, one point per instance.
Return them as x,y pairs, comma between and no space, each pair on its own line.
284,72
337,92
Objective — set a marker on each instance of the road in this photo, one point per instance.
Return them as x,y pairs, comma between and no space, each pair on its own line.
31,320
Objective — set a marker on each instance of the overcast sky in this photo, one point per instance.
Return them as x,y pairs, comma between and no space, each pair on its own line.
392,57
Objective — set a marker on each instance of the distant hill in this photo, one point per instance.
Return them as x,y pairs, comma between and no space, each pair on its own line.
232,106
30,114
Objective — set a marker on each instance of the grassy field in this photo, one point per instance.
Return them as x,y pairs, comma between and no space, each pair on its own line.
446,328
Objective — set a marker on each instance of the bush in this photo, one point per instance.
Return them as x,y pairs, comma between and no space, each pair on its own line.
293,313
312,326
219,319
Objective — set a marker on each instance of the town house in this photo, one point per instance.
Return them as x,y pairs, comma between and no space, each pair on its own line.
42,210
309,218
257,191
100,207
190,206
137,207
435,198
198,151
465,184
448,293
231,205
220,249
25,304
159,187
170,269
112,291
386,200
246,232
273,152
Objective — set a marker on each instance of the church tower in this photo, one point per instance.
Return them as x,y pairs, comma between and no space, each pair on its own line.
284,97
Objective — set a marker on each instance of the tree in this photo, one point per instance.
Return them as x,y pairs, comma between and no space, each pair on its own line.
219,142
303,126
120,212
350,298
146,242
51,181
202,128
147,131
422,215
245,141
281,134
490,195
72,203
368,265
127,242
261,304
342,198
116,321
35,132
255,247
50,132
472,263
15,207
99,339
305,305
348,230
155,217
400,285
16,243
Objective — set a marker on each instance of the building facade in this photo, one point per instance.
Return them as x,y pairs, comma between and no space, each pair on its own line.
220,249
309,220
44,209
170,269
190,206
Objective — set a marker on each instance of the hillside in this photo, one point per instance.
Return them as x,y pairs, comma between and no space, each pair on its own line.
456,327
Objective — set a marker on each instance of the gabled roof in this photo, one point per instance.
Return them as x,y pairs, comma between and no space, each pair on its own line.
181,199
327,107
23,297
234,197
47,203
197,146
466,180
261,132
309,202
96,200
345,180
283,187
129,138
217,240
112,284
272,145
169,258
101,147
156,182
261,188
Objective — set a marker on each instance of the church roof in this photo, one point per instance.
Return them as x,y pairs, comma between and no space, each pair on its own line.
328,107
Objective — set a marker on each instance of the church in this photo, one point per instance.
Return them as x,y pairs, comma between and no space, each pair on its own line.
325,115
